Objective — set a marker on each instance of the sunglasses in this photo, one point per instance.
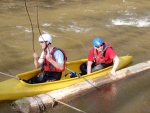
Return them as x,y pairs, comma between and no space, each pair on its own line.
99,46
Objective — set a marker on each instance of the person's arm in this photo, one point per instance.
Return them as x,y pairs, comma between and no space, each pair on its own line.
37,62
90,61
115,65
89,67
60,57
55,64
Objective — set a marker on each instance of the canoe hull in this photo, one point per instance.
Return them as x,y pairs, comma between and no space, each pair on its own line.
13,89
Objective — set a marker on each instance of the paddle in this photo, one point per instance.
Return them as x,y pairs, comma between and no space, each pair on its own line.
73,73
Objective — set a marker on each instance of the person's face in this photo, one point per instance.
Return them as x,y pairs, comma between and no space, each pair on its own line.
43,44
99,48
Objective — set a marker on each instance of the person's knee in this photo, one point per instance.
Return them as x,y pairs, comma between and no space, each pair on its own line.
83,68
96,68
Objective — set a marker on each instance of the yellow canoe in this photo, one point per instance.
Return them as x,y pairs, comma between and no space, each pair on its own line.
14,88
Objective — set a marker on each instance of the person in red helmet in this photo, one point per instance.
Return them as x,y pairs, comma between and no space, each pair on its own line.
52,60
100,56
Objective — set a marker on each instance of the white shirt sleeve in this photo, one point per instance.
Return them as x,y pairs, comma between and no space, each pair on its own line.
41,59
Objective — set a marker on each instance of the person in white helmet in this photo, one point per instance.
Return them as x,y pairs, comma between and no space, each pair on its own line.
52,60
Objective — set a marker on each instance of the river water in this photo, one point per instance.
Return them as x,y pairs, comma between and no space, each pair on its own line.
125,24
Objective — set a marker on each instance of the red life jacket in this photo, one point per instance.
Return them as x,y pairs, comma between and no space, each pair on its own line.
100,56
48,66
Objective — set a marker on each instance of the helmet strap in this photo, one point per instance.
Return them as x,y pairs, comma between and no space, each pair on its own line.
46,46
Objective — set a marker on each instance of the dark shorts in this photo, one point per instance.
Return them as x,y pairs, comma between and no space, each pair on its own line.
45,76
52,76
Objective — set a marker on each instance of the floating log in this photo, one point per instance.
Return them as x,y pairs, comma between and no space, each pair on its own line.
42,102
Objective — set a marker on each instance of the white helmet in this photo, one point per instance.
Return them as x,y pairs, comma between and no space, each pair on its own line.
45,37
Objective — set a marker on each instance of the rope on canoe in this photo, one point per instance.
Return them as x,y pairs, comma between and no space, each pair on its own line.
9,75
67,105
40,103
71,106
